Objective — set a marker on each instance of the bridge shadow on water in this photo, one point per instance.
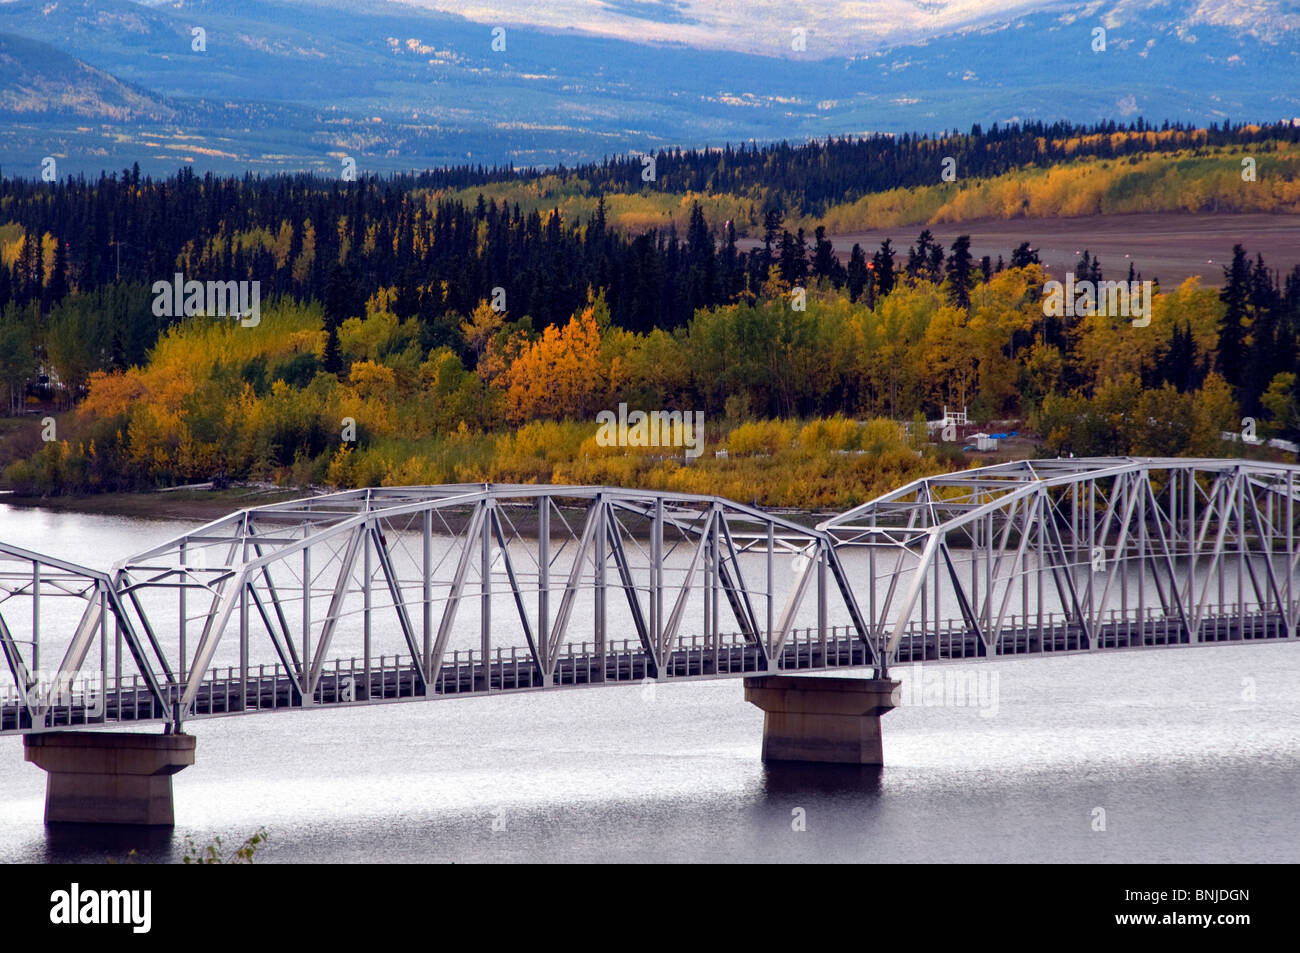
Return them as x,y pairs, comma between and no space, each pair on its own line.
112,843
783,778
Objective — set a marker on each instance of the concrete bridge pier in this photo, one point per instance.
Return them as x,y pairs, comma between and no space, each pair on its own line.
97,777
822,719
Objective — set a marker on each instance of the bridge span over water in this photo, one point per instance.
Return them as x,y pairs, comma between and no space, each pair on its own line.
414,593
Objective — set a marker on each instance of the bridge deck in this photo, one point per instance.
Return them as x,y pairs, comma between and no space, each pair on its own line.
393,678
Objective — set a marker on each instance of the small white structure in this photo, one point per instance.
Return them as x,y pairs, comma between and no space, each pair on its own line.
983,441
950,418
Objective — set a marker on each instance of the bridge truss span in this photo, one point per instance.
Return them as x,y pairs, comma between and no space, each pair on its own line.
404,593
1078,555
418,592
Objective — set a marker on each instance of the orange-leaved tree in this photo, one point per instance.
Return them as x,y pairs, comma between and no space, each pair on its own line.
561,375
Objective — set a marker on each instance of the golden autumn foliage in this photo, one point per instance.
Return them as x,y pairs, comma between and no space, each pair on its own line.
1183,181
560,375
805,404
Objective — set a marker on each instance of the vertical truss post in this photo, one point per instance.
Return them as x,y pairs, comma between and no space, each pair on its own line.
714,569
822,600
308,695
598,513
1142,486
987,619
243,644
1290,614
1092,546
485,593
36,617
657,580
877,630
426,597
1242,554
102,596
767,632
366,602
544,587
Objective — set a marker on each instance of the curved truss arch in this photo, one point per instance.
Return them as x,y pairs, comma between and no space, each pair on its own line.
420,591
392,593
1095,553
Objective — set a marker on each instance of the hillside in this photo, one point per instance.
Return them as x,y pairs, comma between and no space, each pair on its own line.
41,81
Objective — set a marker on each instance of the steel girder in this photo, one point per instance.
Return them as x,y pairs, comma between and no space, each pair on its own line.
87,602
410,592
1116,549
432,574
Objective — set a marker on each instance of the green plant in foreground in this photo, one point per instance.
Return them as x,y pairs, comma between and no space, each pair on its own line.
211,853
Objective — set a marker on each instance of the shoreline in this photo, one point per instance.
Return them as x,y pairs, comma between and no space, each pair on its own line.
199,506
202,506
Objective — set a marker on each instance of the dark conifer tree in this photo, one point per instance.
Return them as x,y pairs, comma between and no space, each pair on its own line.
57,288
825,264
934,268
1024,256
858,273
918,256
883,269
772,233
344,298
961,276
1230,359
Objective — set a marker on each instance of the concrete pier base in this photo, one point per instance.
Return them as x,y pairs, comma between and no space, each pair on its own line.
100,777
821,719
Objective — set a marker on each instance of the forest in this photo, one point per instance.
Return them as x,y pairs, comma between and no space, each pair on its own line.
410,333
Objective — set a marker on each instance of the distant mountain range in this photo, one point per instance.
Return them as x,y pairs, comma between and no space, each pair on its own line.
300,85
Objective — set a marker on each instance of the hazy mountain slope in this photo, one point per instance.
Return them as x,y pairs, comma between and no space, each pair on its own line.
297,85
41,80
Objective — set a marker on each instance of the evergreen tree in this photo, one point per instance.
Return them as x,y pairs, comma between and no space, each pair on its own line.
858,273
918,256
1179,365
1024,256
934,267
702,269
57,289
825,264
344,298
883,269
772,232
731,266
1230,360
794,259
961,277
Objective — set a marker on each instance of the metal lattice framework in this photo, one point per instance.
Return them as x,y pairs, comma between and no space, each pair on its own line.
420,592
1079,554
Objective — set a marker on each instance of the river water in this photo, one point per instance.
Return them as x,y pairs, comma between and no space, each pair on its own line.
1150,756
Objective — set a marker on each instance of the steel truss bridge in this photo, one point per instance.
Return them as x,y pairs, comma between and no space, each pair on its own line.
410,593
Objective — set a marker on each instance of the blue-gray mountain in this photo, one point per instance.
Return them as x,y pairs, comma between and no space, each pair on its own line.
298,85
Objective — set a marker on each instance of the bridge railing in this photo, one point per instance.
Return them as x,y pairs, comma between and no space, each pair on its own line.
231,690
